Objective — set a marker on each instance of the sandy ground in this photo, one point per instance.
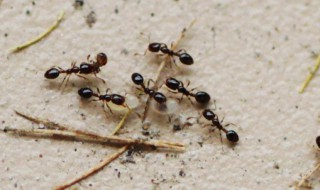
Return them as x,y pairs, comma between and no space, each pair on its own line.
251,56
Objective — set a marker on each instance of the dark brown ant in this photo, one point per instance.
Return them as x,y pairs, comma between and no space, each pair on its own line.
114,98
231,135
184,57
157,96
318,141
92,67
174,84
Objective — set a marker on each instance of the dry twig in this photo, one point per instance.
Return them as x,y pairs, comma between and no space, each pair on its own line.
94,169
311,75
41,36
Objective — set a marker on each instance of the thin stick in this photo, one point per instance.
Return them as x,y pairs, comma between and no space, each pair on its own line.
161,67
121,123
49,133
95,169
310,76
301,183
41,36
56,130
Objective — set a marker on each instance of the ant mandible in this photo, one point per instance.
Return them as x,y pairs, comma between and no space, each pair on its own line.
174,84
114,98
231,135
92,67
184,57
157,96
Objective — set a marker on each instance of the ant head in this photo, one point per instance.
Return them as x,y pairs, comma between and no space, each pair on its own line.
208,114
159,97
85,92
52,73
202,97
318,141
102,59
137,78
154,47
232,136
172,83
186,59
117,99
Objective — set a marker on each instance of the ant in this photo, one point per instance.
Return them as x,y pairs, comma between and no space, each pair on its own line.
231,135
91,67
174,84
157,96
114,98
184,57
318,141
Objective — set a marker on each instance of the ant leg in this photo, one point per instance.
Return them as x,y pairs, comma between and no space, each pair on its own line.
95,74
174,62
145,52
188,83
221,140
150,80
98,90
73,64
181,51
108,107
139,90
190,100
67,80
108,89
82,77
59,68
63,80
180,99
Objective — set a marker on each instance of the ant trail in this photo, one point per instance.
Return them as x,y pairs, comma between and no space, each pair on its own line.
161,67
56,130
106,161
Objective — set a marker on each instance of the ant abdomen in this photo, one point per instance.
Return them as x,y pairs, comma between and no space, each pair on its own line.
137,78
186,59
318,141
202,97
52,73
232,136
85,93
